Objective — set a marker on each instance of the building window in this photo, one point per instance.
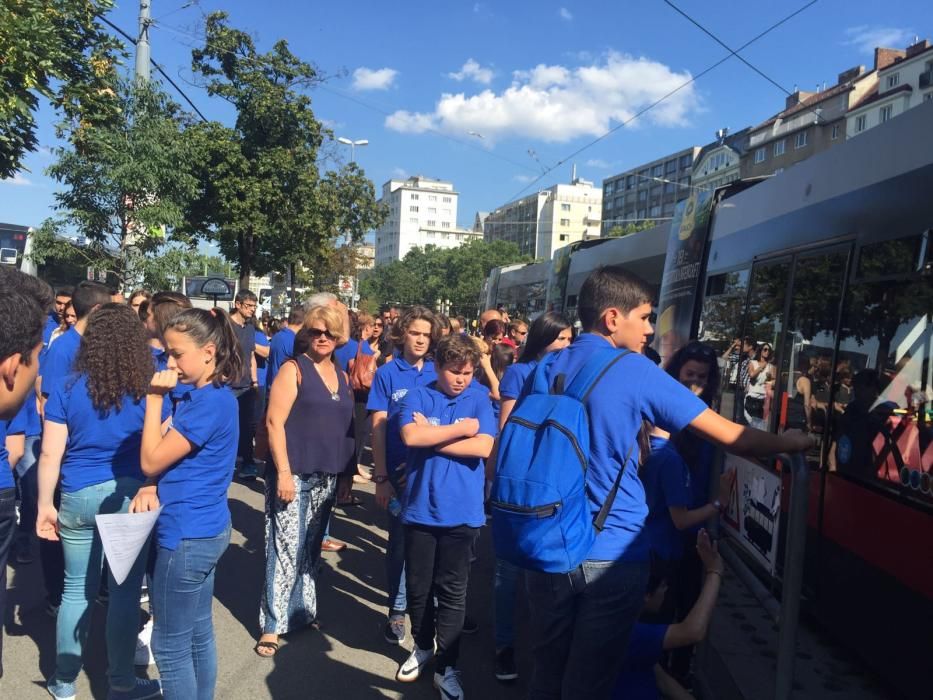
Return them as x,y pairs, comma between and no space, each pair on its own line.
686,161
565,222
861,123
893,80
760,155
886,113
656,171
629,182
654,211
801,140
432,223
414,195
413,220
670,166
564,236
565,207
432,197
835,134
779,148
643,195
608,188
445,224
447,200
413,209
432,210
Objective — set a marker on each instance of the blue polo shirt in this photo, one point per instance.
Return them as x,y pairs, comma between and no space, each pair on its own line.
347,352
262,363
281,348
632,390
193,492
636,681
444,491
57,363
26,422
161,363
101,445
390,385
51,323
6,474
666,478
510,387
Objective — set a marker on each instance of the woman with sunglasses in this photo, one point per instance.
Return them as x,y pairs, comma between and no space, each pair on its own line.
310,422
761,374
676,478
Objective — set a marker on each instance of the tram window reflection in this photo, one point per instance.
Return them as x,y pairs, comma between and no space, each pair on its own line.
884,432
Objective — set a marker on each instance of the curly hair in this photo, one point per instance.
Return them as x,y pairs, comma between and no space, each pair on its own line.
111,375
456,350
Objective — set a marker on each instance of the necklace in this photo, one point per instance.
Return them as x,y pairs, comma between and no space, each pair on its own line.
334,393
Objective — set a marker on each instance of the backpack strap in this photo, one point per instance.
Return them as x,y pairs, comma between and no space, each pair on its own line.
599,522
592,371
540,384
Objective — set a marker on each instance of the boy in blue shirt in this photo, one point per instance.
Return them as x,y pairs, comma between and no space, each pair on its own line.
581,617
282,345
449,429
412,339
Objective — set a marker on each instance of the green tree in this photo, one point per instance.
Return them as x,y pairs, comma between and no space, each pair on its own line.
125,181
618,230
56,49
427,274
261,195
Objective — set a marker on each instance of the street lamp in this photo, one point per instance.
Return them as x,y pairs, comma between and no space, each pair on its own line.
352,145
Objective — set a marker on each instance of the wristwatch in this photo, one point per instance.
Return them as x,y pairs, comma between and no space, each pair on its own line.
718,505
380,479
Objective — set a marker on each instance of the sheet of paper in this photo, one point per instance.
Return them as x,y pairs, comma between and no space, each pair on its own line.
123,536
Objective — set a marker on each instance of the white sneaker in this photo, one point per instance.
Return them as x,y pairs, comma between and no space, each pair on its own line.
448,684
411,668
144,655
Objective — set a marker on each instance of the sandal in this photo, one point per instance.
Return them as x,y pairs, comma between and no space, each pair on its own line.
352,501
274,646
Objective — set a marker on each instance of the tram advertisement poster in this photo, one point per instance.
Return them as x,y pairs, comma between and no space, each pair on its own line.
753,512
682,268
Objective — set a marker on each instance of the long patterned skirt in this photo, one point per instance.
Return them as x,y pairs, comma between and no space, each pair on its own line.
293,550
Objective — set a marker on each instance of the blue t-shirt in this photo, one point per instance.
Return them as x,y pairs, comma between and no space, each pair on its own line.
632,390
281,348
444,491
667,484
193,492
56,364
51,323
262,363
101,445
26,422
347,352
6,474
510,387
161,363
390,385
636,681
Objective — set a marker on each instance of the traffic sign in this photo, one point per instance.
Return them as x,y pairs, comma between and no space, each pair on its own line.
215,286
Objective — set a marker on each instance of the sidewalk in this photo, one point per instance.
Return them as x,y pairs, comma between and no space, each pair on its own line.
347,660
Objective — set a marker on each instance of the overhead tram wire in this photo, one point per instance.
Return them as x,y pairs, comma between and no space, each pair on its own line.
654,104
367,105
158,68
726,47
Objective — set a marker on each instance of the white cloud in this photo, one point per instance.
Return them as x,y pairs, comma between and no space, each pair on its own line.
369,79
18,180
524,179
473,71
867,38
565,14
558,104
599,163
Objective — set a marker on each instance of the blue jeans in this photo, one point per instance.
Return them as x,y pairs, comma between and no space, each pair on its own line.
27,482
183,633
506,582
84,559
395,563
581,623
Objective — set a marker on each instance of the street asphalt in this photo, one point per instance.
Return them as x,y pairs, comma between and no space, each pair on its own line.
347,660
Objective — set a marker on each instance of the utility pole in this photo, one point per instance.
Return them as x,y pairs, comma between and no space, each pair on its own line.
142,43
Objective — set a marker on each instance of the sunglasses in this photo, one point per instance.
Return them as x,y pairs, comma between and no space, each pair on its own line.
316,333
697,351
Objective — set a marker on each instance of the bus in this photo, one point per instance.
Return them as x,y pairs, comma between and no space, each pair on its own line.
831,264
15,247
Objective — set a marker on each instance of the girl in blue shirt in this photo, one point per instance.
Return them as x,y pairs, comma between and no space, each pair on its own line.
192,464
91,440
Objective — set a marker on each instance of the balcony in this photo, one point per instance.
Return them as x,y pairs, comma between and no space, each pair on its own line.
926,79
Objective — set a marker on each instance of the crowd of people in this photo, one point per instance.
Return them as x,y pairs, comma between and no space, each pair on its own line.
111,405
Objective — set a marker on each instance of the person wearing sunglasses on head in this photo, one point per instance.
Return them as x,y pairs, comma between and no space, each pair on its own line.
310,423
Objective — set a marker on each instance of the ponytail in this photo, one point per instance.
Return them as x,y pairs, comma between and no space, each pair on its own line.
215,327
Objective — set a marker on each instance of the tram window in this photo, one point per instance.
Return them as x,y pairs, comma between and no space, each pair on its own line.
898,257
883,436
723,307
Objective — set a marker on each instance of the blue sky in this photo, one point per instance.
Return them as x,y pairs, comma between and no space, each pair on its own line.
489,94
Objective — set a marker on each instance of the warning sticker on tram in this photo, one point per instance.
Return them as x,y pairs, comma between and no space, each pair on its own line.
752,513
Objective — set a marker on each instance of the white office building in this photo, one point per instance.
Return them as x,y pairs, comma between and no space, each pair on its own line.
421,212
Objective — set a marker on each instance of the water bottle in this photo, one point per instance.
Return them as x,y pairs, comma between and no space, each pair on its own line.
395,508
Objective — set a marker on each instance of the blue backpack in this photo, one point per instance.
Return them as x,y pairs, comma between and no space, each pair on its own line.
541,517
